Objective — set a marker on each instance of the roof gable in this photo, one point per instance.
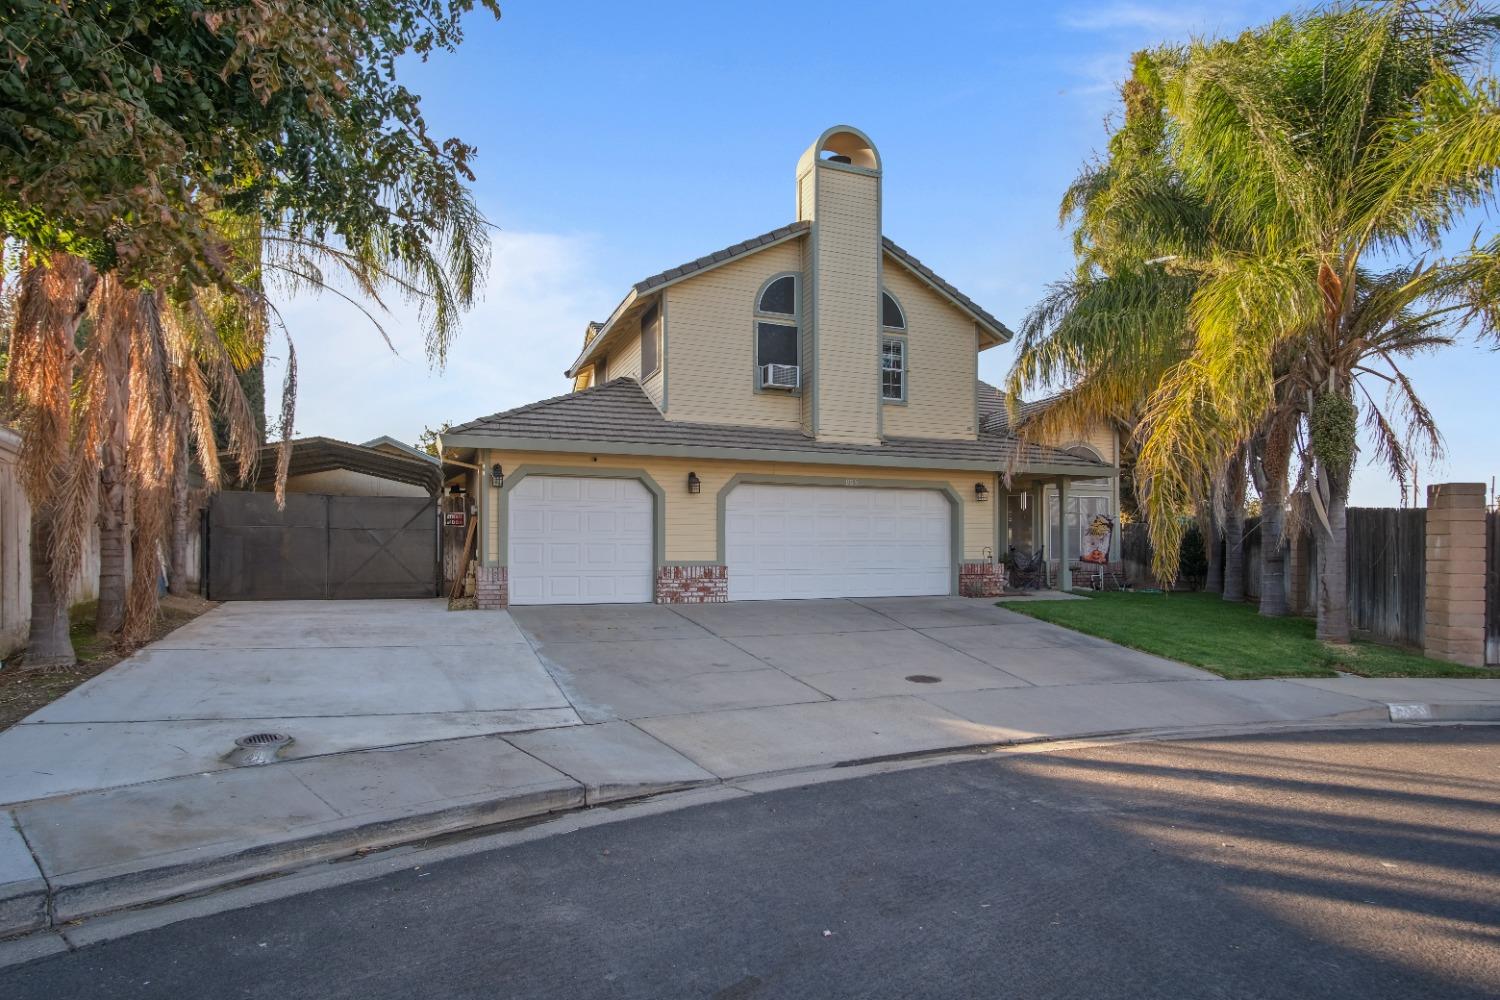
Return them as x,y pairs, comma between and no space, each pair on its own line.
597,334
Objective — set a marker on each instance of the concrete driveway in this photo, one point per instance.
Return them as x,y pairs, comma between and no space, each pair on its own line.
757,687
335,675
646,661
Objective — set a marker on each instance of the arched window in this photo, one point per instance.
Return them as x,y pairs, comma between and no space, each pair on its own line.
891,315
778,347
779,296
893,361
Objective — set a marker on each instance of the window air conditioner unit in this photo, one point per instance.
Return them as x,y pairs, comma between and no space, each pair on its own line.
780,376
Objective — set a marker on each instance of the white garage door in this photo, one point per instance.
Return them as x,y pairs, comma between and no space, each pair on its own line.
836,541
580,541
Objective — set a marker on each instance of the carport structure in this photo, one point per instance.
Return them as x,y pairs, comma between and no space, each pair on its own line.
357,523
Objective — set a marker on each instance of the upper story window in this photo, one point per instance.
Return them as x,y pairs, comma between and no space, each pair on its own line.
650,342
778,347
893,369
891,315
892,349
779,296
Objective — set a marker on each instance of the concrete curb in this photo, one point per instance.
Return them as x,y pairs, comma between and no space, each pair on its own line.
1445,712
35,906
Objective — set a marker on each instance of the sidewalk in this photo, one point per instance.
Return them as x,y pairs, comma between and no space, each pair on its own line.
71,857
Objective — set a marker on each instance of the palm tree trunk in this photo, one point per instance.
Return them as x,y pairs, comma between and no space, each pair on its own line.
1333,567
177,563
1213,542
1270,464
1234,530
113,539
50,644
1273,603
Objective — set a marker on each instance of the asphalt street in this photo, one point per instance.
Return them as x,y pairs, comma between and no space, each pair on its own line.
1344,864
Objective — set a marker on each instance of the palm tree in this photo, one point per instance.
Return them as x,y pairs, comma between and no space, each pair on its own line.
1326,142
53,295
1326,149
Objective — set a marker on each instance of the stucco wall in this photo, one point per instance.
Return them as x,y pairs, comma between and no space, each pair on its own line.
692,520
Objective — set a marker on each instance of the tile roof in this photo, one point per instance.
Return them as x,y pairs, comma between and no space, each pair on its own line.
940,282
992,412
721,256
754,243
619,412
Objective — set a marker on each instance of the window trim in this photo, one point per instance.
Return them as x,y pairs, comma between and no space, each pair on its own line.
899,308
792,319
654,311
890,338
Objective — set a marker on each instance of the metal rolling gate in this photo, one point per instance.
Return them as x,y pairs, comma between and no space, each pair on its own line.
321,547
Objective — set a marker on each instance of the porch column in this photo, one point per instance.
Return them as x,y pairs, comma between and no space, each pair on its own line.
1064,553
1002,514
1038,517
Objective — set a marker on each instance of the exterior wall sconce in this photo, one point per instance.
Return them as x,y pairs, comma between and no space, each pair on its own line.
981,492
497,475
695,485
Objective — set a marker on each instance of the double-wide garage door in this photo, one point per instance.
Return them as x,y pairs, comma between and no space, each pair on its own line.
590,541
836,541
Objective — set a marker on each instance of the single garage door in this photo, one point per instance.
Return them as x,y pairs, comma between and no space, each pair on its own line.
836,541
580,541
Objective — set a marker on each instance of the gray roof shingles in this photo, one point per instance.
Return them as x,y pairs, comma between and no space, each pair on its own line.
720,256
993,415
797,228
620,412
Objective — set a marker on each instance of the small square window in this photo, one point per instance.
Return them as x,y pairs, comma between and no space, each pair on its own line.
893,369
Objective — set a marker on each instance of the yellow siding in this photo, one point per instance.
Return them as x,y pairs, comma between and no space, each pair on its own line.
711,340
1098,436
692,521
942,360
846,306
653,386
625,359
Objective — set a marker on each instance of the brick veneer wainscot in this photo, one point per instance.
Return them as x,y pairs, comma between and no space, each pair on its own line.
981,579
491,591
698,583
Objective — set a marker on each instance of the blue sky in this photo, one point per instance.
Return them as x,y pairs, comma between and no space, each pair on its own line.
616,140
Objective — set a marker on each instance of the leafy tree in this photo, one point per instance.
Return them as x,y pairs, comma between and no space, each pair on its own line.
152,141
428,440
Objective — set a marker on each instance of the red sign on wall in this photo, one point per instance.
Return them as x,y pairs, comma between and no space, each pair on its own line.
455,518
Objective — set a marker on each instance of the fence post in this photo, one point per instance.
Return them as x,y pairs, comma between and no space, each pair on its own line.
1454,604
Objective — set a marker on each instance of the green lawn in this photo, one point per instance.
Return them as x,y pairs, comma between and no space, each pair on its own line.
1232,640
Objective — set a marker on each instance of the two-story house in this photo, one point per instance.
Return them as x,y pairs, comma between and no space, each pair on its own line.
795,416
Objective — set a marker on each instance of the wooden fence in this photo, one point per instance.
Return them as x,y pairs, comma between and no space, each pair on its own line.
1388,572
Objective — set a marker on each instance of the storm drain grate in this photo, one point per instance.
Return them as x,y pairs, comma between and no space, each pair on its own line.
258,748
924,679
